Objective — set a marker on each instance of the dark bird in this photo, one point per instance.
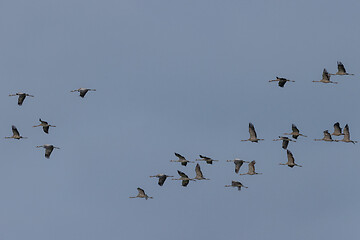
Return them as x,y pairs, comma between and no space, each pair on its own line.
162,178
281,81
253,136
181,159
16,134
291,160
21,97
325,77
295,132
48,149
236,184
45,125
83,91
184,178
238,163
142,194
206,159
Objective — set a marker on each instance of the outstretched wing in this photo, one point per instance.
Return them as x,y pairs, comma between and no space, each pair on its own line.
204,157
337,128
21,99
294,128
238,164
15,131
282,82
184,183
46,129
285,143
141,191
182,174
48,151
180,156
346,132
83,92
290,157
341,67
252,166
327,135
198,171
162,180
252,131
325,75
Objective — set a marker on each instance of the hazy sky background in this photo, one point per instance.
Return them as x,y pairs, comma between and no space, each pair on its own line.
177,76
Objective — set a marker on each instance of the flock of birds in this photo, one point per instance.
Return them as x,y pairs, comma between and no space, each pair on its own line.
45,125
338,131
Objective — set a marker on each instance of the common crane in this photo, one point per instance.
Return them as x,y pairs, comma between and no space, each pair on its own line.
341,69
142,194
236,184
16,134
184,178
346,136
21,97
326,77
45,125
327,137
238,163
251,169
253,136
162,178
48,149
295,132
291,160
281,81
83,91
181,159
208,160
285,141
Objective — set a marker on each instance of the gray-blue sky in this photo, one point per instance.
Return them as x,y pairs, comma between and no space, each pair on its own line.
177,76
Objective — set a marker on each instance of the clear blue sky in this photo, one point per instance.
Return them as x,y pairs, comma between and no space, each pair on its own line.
177,76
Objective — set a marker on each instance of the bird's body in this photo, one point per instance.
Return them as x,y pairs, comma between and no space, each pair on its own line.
236,184
341,69
251,169
142,194
206,159
295,132
45,125
291,160
21,97
327,137
162,178
253,136
16,134
325,77
199,174
285,141
281,81
48,149
337,130
83,91
238,163
346,136
181,159
184,178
